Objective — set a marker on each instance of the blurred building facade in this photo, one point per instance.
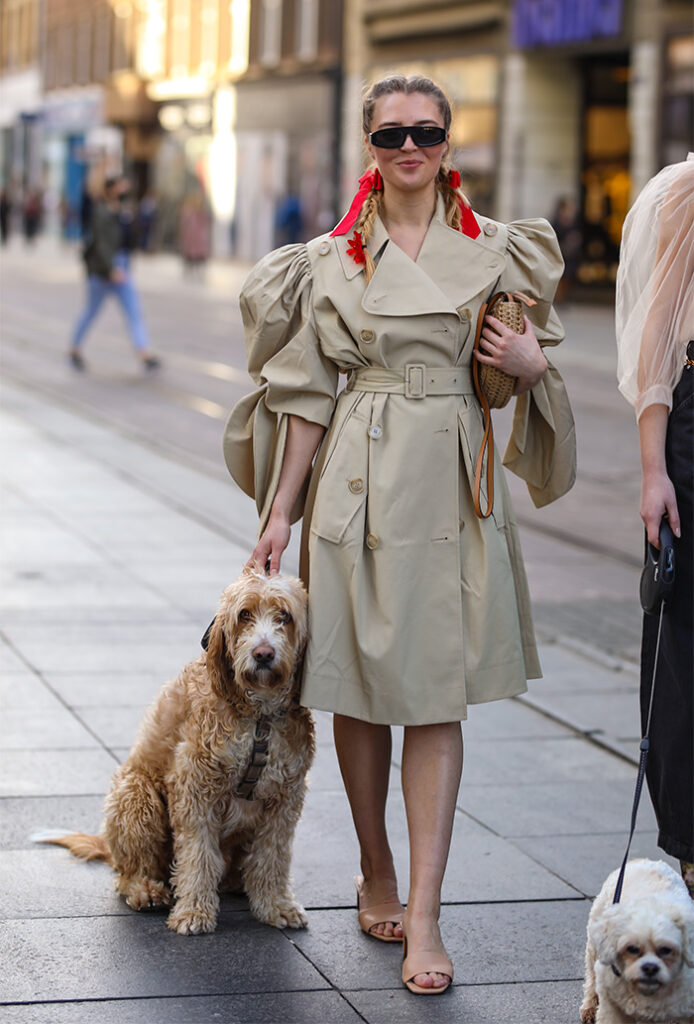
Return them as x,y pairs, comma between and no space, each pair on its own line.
259,103
575,100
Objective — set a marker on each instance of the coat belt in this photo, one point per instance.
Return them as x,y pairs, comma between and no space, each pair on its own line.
414,381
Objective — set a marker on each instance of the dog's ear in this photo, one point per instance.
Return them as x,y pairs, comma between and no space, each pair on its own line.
220,669
604,931
685,922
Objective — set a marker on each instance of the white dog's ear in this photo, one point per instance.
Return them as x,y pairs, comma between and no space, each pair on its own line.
685,922
604,932
219,666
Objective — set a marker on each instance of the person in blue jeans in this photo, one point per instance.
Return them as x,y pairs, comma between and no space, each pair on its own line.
107,259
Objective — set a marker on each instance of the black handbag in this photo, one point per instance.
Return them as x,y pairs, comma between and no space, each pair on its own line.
658,574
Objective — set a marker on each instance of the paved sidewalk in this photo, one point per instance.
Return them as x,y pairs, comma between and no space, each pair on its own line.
114,556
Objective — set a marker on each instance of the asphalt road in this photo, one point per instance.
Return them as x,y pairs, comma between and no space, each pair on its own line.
582,553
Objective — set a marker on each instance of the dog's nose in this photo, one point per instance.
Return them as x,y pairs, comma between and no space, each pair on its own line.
649,969
264,655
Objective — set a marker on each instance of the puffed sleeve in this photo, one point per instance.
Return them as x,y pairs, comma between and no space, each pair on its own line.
286,362
542,446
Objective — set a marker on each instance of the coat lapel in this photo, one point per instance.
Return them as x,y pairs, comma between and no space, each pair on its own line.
450,270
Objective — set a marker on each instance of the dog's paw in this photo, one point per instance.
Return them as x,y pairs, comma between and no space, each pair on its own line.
195,919
144,893
589,1011
282,913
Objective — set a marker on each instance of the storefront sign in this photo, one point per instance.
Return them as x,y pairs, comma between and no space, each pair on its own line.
560,22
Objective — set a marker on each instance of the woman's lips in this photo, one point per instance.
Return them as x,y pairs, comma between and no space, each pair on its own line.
410,163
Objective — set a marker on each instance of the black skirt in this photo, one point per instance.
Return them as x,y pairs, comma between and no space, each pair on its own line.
670,771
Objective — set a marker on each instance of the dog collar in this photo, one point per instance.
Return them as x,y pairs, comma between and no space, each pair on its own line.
258,759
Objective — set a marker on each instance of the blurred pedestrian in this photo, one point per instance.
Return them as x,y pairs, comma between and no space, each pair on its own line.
31,214
147,220
289,220
86,207
655,338
107,260
194,232
568,231
419,598
5,215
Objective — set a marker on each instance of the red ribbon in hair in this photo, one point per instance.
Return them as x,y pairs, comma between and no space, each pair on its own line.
468,224
371,180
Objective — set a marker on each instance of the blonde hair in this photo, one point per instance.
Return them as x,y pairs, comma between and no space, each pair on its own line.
407,84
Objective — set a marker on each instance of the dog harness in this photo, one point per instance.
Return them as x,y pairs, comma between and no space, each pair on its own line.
259,758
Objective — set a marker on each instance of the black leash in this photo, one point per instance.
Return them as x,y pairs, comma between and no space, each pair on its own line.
657,580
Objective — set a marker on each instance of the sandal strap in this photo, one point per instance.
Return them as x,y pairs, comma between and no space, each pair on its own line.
426,962
380,913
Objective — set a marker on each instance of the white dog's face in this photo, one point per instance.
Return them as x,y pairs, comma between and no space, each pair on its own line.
645,943
258,640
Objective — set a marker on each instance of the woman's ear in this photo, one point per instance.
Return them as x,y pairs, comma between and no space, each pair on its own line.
220,669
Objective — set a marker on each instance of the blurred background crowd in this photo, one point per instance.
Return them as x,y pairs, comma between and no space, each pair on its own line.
237,121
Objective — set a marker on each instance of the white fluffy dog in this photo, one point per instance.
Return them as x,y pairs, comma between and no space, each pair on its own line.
640,952
194,809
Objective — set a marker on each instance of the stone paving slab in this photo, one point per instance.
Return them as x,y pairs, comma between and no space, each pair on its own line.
20,817
586,861
551,809
314,1007
107,689
514,1003
488,944
137,955
507,761
55,772
43,729
48,882
482,867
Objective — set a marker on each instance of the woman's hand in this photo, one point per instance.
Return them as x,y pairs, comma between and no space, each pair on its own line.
519,355
658,499
272,544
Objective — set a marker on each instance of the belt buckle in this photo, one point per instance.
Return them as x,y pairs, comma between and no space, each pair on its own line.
415,380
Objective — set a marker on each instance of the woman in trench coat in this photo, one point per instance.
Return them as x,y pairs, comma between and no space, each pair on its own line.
418,607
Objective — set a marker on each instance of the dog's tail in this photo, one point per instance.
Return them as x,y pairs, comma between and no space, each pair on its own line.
78,843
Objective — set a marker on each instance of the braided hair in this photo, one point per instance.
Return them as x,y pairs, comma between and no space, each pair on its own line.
451,196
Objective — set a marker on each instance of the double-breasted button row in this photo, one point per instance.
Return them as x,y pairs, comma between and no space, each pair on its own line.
375,431
372,541
356,485
366,335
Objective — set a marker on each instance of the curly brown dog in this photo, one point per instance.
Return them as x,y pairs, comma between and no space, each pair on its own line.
193,810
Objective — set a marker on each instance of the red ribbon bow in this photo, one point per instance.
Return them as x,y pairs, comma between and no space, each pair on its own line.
468,224
371,180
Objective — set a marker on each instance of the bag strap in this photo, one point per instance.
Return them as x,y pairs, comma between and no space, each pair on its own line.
487,445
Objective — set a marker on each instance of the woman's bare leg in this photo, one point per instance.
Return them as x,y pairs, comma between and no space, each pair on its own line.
432,763
364,752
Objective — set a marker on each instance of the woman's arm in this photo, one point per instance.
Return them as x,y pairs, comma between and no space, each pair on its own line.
303,439
657,491
519,355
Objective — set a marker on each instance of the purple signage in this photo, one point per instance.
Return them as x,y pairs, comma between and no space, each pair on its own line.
558,22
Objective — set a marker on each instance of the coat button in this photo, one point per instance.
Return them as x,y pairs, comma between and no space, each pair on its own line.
371,541
324,248
366,335
375,431
465,314
356,486
490,230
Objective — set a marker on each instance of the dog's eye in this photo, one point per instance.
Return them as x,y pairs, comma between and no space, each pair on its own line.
633,950
245,615
664,951
284,617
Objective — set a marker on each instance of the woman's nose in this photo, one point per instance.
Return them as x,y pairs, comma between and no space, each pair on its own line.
408,144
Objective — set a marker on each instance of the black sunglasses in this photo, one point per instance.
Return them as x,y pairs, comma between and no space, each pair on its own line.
422,135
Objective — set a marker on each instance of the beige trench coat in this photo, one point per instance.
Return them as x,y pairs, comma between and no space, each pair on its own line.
417,607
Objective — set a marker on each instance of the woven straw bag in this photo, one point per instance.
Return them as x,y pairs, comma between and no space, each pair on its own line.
493,387
497,385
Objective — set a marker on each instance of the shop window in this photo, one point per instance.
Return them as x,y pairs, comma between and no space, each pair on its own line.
605,176
677,123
